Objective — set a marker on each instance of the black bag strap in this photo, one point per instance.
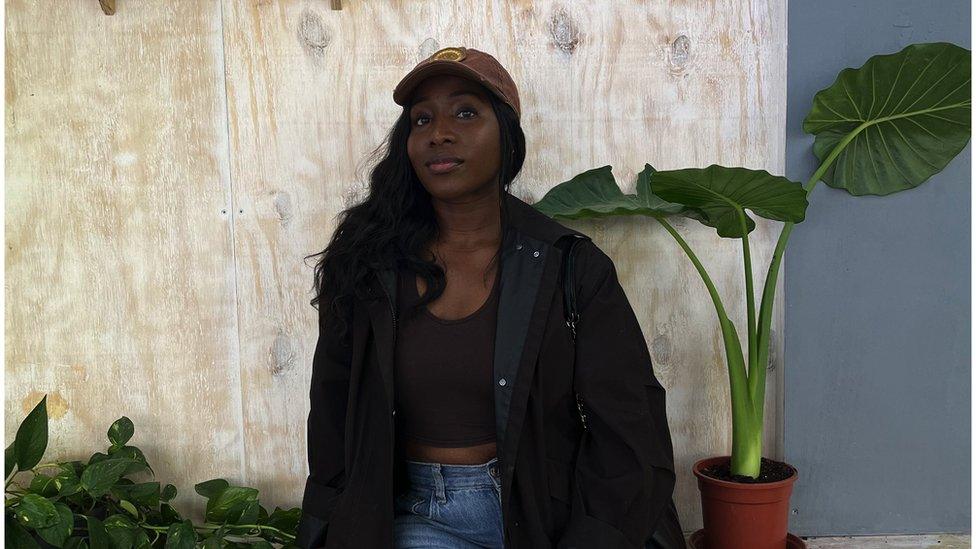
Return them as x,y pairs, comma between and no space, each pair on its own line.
568,245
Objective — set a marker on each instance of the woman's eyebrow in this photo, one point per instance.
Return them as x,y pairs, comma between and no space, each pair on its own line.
452,94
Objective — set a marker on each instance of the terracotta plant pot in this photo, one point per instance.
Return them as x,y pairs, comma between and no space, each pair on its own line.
742,515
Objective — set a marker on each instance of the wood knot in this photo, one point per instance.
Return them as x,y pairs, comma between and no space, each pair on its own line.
282,354
680,54
564,31
283,206
313,34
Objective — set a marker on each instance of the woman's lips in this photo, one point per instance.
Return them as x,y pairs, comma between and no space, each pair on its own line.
443,167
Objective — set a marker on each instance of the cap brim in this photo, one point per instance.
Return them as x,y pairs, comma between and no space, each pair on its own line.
403,90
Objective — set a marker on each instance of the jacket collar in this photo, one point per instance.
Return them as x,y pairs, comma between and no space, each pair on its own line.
529,270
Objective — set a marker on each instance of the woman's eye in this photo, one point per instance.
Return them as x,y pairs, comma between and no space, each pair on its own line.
421,117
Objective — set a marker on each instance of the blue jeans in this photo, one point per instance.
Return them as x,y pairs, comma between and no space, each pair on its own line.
450,507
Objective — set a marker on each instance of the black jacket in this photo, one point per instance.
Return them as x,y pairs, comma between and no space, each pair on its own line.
625,471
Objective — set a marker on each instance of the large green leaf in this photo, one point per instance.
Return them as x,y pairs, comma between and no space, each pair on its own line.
594,193
234,504
915,105
98,478
58,533
714,195
31,440
36,511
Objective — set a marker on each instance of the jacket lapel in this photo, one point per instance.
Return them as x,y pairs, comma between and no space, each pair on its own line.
382,316
528,280
521,318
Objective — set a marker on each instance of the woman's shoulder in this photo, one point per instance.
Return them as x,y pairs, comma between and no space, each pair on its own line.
590,260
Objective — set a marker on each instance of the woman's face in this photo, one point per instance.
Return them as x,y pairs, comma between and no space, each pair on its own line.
452,117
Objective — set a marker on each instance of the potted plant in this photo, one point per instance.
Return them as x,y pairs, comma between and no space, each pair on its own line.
94,504
882,128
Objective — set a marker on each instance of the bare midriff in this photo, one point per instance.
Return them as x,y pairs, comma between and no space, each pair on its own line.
466,455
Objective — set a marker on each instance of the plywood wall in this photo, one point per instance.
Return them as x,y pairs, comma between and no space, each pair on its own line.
168,167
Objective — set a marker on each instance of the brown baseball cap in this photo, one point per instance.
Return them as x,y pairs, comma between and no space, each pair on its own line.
465,62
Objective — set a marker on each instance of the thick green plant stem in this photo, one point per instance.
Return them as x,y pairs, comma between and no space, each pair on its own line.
747,431
750,294
744,426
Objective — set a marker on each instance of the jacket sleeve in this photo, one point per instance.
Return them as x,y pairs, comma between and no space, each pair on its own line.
329,394
624,473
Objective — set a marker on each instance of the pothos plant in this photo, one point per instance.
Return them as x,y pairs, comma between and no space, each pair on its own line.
94,504
882,128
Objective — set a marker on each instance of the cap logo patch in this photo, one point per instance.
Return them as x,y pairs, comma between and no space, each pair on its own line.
449,54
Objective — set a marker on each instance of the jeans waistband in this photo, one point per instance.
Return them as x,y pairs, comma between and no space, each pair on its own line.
441,475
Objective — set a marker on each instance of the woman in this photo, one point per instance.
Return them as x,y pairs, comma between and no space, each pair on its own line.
440,300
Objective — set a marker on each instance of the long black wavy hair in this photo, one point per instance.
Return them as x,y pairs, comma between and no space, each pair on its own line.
391,226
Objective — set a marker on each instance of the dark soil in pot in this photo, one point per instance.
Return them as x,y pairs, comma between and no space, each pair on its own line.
769,471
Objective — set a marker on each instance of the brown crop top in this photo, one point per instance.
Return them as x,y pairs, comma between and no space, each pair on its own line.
443,371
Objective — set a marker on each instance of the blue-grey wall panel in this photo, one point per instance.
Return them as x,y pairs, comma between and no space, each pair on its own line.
877,378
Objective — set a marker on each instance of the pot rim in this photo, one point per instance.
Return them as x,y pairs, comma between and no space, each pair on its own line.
696,469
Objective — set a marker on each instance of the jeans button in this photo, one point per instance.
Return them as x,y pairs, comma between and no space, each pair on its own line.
492,470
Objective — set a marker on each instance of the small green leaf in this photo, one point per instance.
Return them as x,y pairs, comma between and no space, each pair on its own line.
286,521
134,454
169,492
121,431
211,488
169,514
246,513
31,441
129,508
44,485
181,535
98,478
232,504
67,481
57,534
122,531
36,511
